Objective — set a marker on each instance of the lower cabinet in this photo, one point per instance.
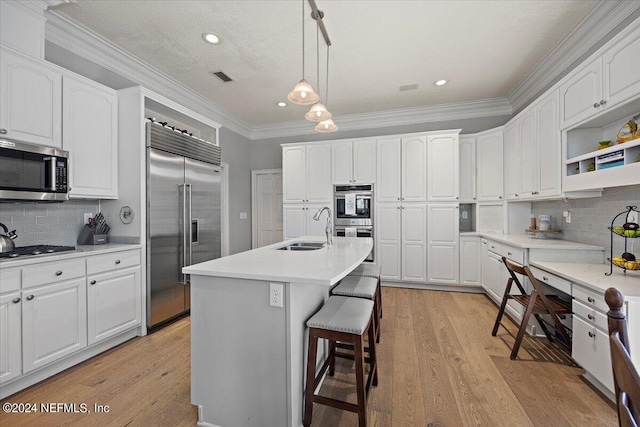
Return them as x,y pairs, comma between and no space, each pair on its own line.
10,349
54,322
442,251
470,261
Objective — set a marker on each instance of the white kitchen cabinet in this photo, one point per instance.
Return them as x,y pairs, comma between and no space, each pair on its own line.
528,154
30,100
414,169
512,161
389,240
549,147
354,162
90,134
489,163
620,64
470,260
414,242
443,168
580,96
21,28
467,156
388,170
442,249
10,336
54,322
298,221
590,348
306,173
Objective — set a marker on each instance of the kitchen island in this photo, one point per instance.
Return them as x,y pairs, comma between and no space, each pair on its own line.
248,332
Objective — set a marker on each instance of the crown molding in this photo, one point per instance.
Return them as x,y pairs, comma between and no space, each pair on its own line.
603,19
81,41
389,118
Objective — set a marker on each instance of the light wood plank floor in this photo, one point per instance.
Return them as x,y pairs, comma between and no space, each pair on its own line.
438,366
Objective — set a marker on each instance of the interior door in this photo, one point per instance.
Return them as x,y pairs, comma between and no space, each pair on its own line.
268,209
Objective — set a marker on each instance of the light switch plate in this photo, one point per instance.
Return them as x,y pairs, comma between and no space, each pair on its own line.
243,215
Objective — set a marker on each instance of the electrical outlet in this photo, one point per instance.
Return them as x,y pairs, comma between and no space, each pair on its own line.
567,216
87,217
276,295
632,217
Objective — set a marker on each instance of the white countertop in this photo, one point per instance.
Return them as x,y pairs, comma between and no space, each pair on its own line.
325,266
525,242
81,251
593,276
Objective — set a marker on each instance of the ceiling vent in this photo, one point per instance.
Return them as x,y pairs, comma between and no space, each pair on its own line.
222,76
413,86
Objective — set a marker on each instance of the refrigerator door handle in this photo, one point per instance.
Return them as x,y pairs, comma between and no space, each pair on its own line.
183,231
189,224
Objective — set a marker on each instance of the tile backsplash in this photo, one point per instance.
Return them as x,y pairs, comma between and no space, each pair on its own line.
590,218
46,223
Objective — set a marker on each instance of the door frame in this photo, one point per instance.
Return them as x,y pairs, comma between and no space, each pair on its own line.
254,202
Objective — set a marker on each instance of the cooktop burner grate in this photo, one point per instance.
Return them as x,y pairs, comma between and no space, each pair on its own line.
36,250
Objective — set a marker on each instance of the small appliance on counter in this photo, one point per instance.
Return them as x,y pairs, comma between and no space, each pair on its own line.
94,233
6,240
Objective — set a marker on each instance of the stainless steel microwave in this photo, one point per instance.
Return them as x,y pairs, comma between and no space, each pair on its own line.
33,172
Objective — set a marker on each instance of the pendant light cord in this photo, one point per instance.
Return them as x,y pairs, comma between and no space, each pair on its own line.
318,57
326,90
302,39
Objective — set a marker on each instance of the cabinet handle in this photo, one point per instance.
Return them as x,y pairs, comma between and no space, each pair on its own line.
591,334
545,278
93,282
457,197
591,300
117,261
516,195
484,243
15,300
398,207
499,197
59,273
603,102
474,198
3,131
30,297
591,316
508,253
398,198
596,105
493,247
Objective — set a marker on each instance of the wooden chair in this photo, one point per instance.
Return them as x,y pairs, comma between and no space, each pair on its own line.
536,303
625,376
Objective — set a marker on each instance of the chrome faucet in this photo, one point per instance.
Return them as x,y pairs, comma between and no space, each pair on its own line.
329,228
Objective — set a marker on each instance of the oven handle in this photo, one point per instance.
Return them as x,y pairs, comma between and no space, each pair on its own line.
51,184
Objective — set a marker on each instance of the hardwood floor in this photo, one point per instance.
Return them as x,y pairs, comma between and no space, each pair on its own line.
438,366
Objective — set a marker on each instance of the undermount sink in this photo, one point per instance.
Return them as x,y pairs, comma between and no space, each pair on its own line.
302,246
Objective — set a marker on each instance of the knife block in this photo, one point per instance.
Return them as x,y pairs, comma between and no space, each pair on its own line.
88,236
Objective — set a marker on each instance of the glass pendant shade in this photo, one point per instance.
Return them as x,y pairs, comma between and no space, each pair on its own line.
303,94
326,126
318,113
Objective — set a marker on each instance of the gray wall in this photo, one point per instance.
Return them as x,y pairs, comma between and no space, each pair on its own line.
591,217
236,152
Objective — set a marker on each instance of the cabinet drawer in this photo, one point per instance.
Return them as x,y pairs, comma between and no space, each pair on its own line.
590,298
514,254
9,279
494,247
591,315
110,262
591,350
552,280
51,272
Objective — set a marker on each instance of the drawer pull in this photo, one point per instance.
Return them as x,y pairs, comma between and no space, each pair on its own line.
117,261
493,247
30,297
591,334
591,300
545,278
16,300
508,253
59,273
93,282
591,316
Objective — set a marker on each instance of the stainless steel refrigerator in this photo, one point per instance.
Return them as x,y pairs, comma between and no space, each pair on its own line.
183,217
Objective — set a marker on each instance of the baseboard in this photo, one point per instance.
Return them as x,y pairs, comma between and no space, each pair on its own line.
434,287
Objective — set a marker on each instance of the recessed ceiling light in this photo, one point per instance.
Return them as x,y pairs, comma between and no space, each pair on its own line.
211,38
281,104
441,82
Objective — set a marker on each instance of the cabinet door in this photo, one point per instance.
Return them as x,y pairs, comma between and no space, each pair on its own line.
580,96
342,162
294,174
549,147
364,161
442,235
10,331
388,170
313,227
54,322
318,169
414,169
470,261
529,153
590,348
388,238
485,264
489,152
467,157
443,172
113,303
414,242
30,100
294,218
512,161
90,134
620,70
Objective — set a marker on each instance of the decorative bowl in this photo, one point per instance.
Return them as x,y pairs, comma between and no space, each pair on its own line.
603,144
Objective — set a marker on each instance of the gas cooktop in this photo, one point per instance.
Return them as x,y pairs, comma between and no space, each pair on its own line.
36,250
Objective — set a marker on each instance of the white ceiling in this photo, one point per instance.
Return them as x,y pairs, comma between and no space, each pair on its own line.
485,48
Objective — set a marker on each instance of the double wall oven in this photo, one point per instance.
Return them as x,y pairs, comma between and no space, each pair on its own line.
353,207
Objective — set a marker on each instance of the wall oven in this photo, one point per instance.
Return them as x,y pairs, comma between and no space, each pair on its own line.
353,211
361,231
32,172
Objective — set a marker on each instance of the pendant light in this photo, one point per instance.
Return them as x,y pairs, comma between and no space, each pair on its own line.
303,93
327,125
318,111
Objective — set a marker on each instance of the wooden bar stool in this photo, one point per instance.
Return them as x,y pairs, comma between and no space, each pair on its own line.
370,270
361,287
348,320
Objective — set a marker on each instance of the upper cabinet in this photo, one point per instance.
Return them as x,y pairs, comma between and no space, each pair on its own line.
22,27
90,134
512,162
603,83
306,174
443,174
388,170
402,169
549,146
467,166
354,162
490,167
30,100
